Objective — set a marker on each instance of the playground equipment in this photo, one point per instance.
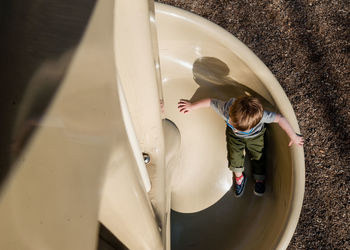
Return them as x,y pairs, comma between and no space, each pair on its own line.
90,109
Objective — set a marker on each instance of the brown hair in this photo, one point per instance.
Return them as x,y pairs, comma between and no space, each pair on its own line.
246,112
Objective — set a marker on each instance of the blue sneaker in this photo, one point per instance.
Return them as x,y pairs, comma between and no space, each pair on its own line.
239,189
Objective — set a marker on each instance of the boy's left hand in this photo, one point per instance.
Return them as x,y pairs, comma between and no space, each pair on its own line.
297,139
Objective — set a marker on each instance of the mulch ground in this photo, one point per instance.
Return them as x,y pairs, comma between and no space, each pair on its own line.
306,45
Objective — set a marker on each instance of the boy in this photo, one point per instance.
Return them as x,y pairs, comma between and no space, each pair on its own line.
245,119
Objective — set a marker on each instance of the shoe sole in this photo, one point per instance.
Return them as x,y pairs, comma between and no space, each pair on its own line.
258,194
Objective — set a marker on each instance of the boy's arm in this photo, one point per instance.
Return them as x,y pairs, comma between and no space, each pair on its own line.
284,124
186,106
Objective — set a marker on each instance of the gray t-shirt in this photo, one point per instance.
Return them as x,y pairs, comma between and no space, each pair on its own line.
223,109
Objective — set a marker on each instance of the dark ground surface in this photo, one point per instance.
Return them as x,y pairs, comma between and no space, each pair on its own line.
306,45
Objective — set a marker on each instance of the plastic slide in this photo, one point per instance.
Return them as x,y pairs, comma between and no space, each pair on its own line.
90,87
198,60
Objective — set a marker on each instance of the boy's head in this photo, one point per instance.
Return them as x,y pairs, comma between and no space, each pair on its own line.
246,112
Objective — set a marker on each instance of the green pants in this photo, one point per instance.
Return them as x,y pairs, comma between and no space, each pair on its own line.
254,146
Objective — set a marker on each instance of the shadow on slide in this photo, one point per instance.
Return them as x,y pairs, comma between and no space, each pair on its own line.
212,76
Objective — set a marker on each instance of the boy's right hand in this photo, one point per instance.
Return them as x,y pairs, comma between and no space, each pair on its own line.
184,106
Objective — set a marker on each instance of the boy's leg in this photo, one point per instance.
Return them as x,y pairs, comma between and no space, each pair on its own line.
255,147
235,147
235,157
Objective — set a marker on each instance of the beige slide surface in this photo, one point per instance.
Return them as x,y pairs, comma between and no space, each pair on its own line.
198,60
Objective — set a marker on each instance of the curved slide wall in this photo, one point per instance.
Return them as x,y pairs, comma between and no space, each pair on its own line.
73,162
199,59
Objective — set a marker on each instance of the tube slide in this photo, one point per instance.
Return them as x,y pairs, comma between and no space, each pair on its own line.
198,60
